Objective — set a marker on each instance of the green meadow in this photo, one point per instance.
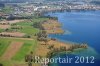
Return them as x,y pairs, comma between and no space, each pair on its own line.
3,45
27,26
1,30
30,44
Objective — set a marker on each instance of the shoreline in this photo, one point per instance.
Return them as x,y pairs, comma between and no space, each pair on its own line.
47,46
52,45
52,27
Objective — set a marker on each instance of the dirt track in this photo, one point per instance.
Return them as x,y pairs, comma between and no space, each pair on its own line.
4,26
12,50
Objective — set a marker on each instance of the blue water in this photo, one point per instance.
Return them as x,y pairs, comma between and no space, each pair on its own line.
84,27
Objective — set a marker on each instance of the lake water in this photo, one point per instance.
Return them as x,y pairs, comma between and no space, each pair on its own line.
80,27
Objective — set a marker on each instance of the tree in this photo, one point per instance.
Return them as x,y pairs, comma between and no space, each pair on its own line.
29,58
6,30
49,54
42,36
62,48
27,36
1,64
51,47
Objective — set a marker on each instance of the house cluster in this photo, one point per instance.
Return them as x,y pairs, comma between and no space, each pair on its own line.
23,10
27,9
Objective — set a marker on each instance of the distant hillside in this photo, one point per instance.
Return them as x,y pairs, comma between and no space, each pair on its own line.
95,2
2,5
54,0
15,1
78,0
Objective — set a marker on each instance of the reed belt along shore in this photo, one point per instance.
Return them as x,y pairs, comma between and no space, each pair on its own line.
49,47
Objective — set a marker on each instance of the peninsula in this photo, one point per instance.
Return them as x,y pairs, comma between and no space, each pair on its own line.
27,36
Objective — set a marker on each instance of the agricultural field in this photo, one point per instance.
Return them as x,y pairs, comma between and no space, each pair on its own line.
16,48
13,49
1,30
34,40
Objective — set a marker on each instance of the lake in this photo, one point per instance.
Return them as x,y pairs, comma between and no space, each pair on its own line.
80,27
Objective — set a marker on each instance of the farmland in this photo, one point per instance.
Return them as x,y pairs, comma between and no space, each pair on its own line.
14,49
31,36
29,45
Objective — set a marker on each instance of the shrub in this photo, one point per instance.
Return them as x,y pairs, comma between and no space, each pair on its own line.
1,64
